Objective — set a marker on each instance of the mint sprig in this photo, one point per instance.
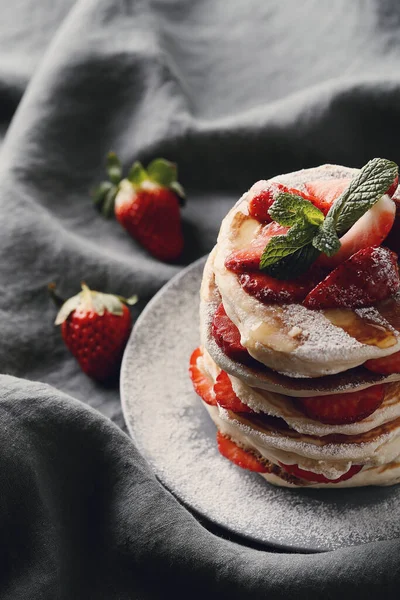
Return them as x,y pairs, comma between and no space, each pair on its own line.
363,192
288,256
303,218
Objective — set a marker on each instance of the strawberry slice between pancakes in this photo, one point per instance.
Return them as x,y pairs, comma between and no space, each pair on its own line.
269,290
227,336
341,409
226,397
317,477
241,458
370,275
386,365
202,384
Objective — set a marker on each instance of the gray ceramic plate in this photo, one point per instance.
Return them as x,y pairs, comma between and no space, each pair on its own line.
175,434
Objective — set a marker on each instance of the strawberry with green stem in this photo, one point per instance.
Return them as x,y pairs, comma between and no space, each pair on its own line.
146,203
95,328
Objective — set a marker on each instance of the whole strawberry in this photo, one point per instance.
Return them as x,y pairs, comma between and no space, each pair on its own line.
95,328
146,203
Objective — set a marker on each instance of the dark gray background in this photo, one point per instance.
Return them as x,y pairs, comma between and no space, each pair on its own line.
233,91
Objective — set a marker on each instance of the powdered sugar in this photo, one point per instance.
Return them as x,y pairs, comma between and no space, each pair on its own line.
299,178
319,336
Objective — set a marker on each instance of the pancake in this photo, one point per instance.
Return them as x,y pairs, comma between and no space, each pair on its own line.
284,407
260,376
372,473
267,330
293,353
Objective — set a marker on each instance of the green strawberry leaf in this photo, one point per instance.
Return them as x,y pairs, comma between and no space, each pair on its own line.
137,174
108,204
162,171
289,209
105,302
100,192
179,191
114,168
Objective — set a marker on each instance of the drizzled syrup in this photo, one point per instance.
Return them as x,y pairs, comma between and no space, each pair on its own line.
369,327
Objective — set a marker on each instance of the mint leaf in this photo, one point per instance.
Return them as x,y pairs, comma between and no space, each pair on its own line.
363,192
281,246
295,264
327,240
289,209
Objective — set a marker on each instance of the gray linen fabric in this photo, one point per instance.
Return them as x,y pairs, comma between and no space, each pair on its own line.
234,91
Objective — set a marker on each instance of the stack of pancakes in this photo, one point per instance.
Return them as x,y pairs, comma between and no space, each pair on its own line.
296,352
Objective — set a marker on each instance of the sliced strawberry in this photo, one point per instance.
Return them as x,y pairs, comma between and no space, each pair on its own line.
339,409
275,291
386,365
203,385
248,259
317,477
393,239
227,336
264,195
325,191
368,276
238,456
263,199
226,397
392,190
370,230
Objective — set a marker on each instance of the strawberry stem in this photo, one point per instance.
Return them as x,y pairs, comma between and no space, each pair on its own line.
57,299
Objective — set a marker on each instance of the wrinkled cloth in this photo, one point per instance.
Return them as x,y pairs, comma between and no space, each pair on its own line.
233,92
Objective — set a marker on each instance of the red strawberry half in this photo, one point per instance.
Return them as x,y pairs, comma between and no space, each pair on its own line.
226,397
386,365
227,336
95,328
339,409
146,204
238,456
368,276
202,384
317,477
